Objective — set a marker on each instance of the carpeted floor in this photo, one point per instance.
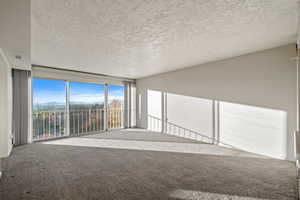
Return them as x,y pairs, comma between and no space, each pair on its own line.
44,171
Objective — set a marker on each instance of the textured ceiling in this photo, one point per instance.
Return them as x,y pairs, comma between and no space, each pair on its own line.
137,38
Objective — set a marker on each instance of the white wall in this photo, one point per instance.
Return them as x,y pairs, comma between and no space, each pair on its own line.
254,129
198,111
265,79
5,106
15,31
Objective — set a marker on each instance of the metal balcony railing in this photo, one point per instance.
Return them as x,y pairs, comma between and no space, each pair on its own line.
85,121
52,124
115,118
48,124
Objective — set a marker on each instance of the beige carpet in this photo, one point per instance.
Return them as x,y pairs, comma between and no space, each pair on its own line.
44,171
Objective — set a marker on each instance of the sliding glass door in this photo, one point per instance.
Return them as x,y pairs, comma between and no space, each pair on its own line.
86,108
63,108
48,108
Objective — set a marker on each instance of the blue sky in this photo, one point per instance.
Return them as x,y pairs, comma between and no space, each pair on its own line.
54,91
88,93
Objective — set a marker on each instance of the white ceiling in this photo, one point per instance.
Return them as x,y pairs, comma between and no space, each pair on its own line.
137,38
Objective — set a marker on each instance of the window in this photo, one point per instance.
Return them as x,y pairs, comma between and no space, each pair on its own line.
86,108
62,108
49,105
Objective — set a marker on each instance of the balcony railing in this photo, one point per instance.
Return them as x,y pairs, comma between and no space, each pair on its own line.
115,118
48,124
51,124
85,121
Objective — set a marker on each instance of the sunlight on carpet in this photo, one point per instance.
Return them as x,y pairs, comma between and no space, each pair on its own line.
198,195
151,146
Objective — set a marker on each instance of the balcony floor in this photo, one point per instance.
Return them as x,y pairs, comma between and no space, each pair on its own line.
138,164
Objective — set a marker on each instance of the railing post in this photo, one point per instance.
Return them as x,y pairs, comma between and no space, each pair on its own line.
55,124
49,123
81,125
73,119
90,124
67,110
112,111
78,121
114,118
44,124
86,121
105,107
97,119
38,125
59,122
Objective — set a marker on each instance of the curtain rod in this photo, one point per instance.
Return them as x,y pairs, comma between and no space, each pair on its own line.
82,72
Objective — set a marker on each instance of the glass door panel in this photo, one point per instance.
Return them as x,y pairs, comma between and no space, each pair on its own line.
86,108
48,108
115,106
